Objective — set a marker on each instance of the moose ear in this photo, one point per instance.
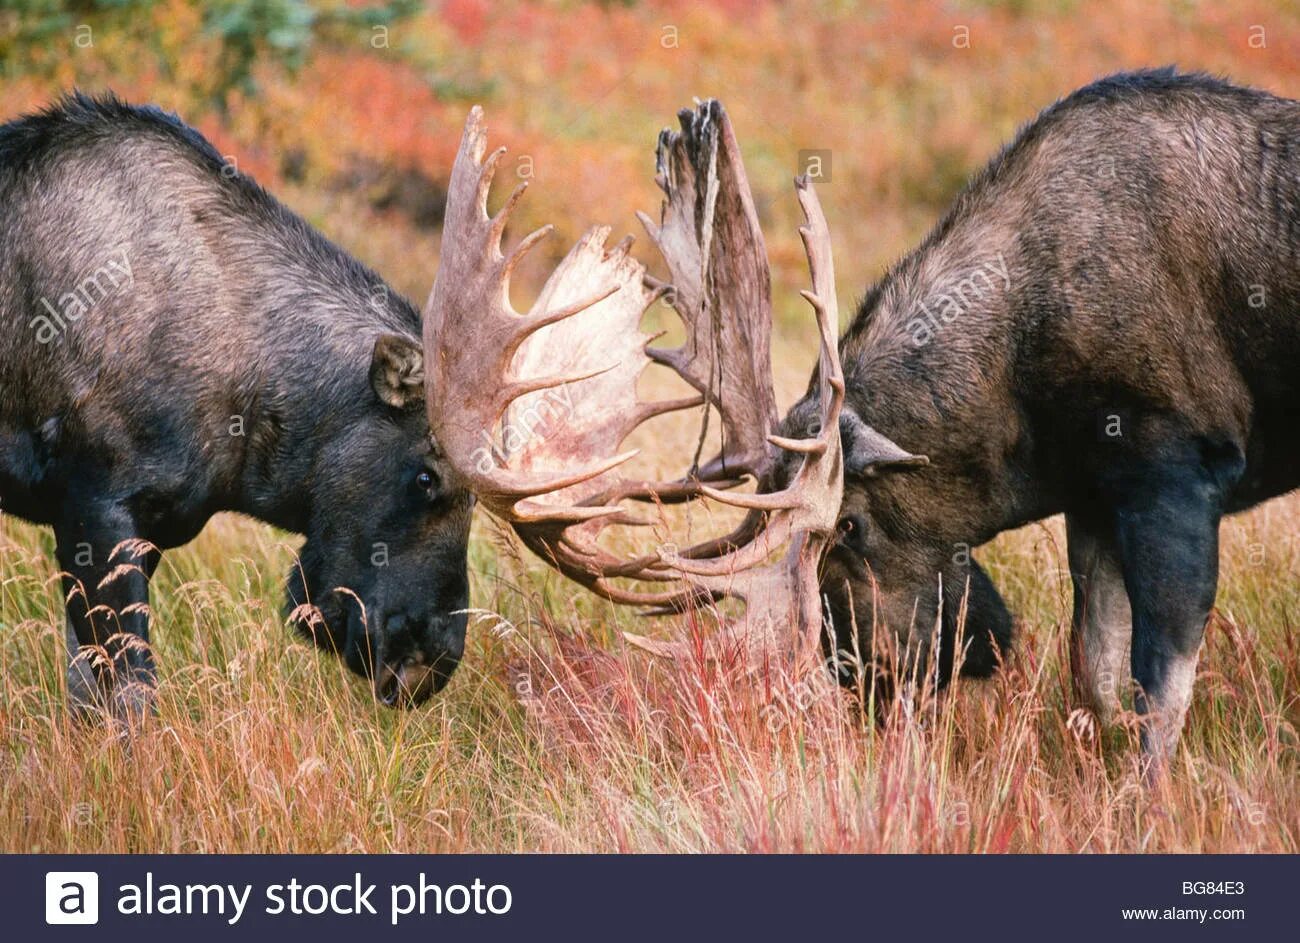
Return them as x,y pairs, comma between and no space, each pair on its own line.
397,371
867,453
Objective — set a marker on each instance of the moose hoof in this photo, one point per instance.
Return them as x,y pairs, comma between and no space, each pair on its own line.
85,700
133,701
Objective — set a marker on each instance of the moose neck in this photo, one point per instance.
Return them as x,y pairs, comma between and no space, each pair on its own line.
320,312
929,363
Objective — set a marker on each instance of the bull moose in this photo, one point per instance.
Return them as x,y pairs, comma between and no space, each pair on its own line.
175,342
1105,325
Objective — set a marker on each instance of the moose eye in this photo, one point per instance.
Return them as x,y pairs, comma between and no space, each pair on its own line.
852,525
425,481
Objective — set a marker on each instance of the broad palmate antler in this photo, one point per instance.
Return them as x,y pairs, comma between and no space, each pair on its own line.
496,378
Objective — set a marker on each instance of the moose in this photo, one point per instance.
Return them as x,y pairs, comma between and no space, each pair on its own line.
176,343
1104,325
1134,371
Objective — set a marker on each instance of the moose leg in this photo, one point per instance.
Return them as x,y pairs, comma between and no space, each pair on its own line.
106,590
1168,539
83,688
1102,623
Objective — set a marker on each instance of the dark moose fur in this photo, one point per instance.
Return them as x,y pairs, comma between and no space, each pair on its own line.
1138,370
247,364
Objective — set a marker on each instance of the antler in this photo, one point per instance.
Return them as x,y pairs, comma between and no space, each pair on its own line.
506,378
709,236
531,410
477,378
803,514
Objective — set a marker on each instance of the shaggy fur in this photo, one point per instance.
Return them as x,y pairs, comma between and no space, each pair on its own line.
1106,324
174,342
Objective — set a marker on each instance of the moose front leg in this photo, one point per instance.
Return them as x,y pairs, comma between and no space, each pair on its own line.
1102,623
1168,540
106,574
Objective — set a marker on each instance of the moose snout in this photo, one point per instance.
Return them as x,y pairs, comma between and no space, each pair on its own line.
407,684
418,658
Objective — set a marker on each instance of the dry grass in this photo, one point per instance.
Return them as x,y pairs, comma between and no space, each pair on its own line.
553,737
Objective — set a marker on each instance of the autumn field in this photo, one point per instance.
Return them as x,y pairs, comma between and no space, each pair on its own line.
554,735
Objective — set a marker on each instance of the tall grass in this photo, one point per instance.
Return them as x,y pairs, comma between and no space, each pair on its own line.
553,736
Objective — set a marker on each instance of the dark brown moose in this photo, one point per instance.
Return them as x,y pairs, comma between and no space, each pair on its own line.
176,343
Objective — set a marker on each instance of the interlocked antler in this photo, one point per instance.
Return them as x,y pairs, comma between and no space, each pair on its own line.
786,592
571,362
469,306
530,410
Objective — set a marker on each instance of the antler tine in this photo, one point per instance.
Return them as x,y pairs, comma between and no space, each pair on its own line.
744,557
503,215
487,172
593,569
471,176
525,246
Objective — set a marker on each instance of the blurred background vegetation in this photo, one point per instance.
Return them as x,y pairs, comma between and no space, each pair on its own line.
351,110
